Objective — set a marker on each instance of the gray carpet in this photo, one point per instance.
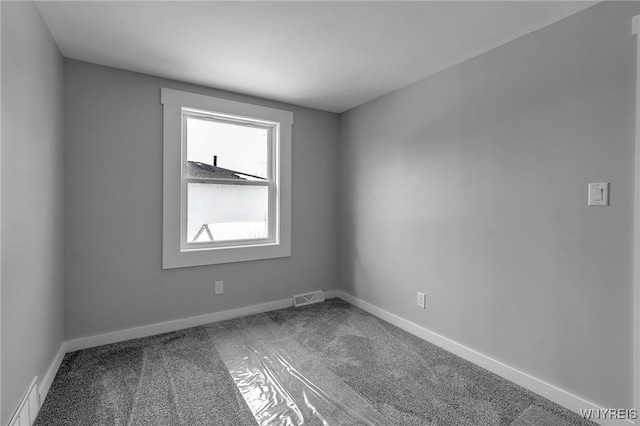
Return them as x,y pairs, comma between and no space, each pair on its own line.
329,363
536,416
171,379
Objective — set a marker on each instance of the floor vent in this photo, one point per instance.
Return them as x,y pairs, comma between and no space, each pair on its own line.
28,409
308,298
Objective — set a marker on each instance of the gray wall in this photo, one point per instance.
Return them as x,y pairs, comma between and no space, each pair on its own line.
113,183
471,185
32,201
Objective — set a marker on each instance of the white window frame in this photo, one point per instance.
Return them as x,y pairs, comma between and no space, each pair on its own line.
176,253
271,182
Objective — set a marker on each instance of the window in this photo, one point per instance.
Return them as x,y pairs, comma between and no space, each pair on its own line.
227,181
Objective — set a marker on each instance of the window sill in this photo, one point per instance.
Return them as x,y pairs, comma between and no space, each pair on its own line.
219,255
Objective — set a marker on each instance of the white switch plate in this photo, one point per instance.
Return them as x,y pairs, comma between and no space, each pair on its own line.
421,300
599,194
219,287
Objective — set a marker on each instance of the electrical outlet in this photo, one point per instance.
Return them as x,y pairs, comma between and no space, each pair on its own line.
421,300
219,287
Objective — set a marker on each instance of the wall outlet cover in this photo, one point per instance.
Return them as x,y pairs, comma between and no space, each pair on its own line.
421,300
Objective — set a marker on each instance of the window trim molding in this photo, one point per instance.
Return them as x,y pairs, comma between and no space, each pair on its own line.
172,256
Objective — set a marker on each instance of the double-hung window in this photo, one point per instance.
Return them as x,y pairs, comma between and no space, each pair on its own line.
227,181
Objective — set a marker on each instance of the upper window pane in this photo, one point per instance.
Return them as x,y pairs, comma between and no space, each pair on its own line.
234,150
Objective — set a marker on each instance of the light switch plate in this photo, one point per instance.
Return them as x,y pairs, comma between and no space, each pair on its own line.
599,194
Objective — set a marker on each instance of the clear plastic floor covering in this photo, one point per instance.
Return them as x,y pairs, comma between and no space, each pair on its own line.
333,364
280,391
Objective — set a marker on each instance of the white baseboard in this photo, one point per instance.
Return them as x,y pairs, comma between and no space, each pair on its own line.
169,326
333,293
48,377
547,390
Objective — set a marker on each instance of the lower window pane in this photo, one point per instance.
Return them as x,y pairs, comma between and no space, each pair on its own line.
226,212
